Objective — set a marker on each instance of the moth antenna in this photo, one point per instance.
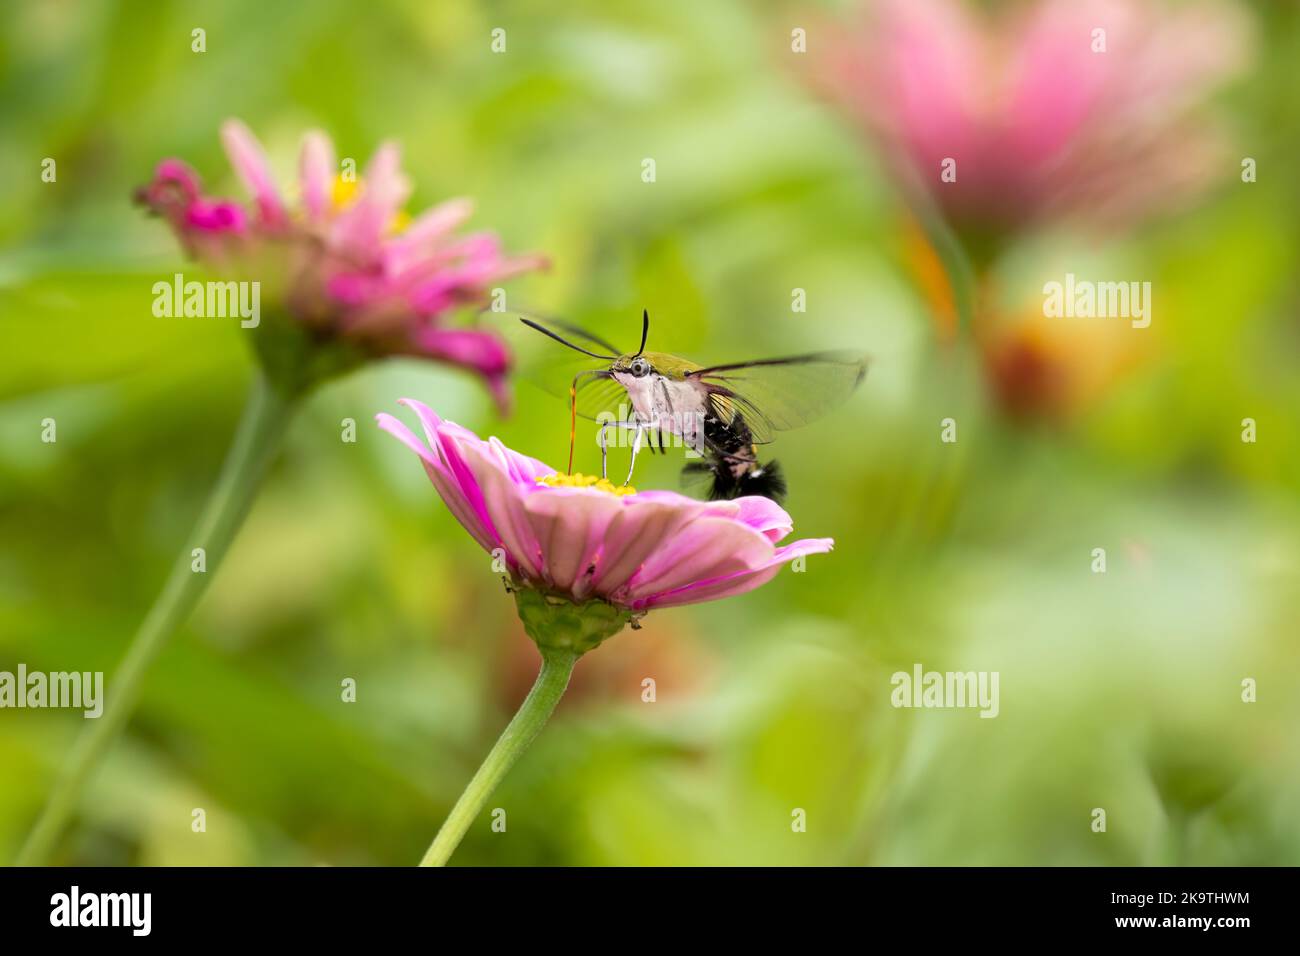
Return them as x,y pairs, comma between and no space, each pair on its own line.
645,331
563,341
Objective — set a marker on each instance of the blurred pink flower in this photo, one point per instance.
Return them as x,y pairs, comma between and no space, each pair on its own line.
1040,123
351,264
586,540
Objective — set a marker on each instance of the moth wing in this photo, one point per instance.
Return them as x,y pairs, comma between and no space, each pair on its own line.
599,396
773,395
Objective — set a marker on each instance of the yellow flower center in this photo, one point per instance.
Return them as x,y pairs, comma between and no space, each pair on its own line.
401,219
579,480
345,193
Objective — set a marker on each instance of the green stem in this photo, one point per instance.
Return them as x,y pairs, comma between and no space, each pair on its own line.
557,665
1177,832
260,430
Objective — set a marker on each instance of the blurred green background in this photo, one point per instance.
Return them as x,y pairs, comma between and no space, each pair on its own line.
1120,691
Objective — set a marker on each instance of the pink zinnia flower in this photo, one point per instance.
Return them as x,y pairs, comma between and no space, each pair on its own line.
584,541
353,269
585,559
1040,124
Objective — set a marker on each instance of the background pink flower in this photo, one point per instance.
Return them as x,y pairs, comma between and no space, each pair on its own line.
636,550
1042,125
587,559
350,263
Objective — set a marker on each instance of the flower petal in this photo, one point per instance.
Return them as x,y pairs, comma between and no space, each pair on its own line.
705,549
761,514
360,229
431,226
317,169
478,351
249,162
502,496
645,525
570,525
739,583
452,478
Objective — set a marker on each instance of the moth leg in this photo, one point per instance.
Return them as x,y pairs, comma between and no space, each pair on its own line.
673,426
636,447
603,440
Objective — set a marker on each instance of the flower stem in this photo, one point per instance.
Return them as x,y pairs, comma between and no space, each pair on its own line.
260,430
557,665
